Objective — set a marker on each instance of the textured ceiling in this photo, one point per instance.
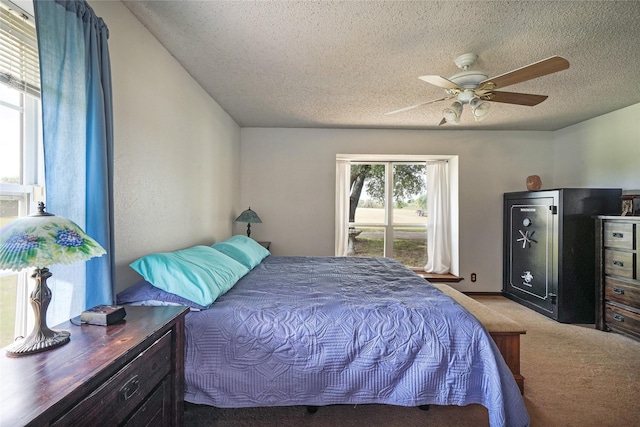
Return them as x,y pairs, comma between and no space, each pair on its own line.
344,64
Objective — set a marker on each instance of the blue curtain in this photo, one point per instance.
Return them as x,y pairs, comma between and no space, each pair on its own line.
78,141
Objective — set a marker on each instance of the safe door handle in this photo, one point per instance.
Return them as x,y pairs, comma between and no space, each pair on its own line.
618,263
618,291
618,235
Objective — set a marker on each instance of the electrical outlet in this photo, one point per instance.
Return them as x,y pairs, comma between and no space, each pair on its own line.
473,277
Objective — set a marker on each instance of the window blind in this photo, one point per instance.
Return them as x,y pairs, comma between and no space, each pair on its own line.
19,65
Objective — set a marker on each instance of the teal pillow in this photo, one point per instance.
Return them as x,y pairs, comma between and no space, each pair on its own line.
243,249
199,274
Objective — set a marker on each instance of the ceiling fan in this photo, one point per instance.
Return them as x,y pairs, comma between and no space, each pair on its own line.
475,88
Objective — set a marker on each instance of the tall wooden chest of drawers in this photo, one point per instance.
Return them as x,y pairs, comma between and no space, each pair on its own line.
618,274
129,373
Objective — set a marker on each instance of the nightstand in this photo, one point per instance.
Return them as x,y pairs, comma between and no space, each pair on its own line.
266,245
128,373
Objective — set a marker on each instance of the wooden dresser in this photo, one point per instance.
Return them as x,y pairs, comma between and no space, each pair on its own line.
618,274
129,373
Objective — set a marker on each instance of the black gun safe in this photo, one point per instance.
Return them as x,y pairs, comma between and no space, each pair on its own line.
549,249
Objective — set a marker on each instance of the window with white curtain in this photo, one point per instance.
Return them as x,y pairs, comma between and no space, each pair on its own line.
389,217
387,207
21,165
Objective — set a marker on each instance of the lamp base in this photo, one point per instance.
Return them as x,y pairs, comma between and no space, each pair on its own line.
37,342
41,338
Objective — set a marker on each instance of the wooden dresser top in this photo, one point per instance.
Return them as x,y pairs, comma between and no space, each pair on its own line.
33,385
630,218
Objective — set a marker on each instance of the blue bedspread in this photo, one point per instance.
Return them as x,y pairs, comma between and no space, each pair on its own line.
324,330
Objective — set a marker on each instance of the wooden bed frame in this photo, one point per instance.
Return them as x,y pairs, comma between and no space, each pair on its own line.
504,331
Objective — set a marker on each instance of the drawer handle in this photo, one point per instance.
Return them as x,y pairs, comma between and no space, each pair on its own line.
618,235
618,291
618,318
618,263
129,389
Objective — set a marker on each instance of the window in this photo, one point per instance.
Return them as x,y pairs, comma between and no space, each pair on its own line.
382,204
21,165
387,211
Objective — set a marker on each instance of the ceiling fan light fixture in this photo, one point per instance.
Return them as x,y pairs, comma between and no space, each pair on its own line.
474,87
452,113
479,108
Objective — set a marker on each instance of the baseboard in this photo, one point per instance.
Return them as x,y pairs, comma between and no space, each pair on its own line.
439,278
482,294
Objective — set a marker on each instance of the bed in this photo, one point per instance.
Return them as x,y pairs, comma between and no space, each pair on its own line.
319,331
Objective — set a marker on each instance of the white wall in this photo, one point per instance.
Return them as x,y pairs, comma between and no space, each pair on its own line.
179,160
601,152
177,152
288,177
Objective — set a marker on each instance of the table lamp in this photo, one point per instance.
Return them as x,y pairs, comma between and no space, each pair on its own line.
249,217
38,241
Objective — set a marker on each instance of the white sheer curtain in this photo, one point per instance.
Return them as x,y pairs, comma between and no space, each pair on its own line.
343,172
438,213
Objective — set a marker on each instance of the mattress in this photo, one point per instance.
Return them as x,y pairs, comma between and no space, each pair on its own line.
320,331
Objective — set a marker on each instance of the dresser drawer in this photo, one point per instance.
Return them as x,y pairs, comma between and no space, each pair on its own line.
622,292
622,320
618,235
154,411
113,401
618,263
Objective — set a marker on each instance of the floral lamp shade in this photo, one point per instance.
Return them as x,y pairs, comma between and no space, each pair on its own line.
44,240
38,241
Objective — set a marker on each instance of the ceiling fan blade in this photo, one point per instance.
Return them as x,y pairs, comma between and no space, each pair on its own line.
514,98
532,71
440,82
411,107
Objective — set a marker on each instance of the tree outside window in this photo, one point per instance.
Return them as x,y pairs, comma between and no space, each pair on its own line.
387,211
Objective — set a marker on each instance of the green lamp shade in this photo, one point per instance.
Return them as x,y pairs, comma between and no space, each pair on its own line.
42,240
249,216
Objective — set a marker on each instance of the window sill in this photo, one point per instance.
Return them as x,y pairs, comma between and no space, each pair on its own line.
439,278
